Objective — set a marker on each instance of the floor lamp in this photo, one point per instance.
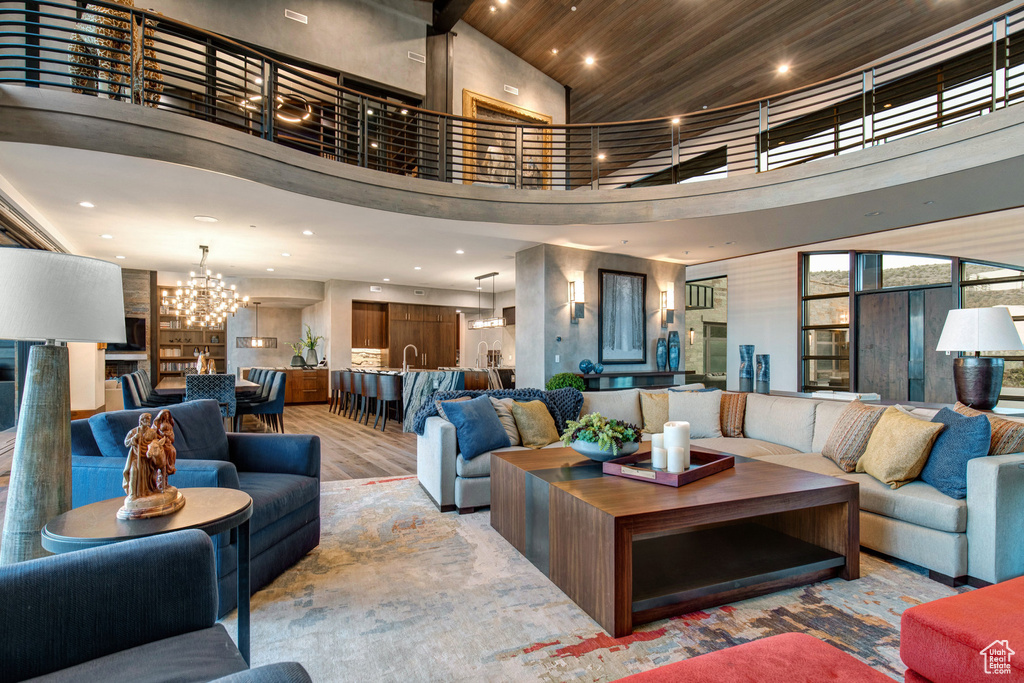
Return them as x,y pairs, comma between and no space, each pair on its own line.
51,297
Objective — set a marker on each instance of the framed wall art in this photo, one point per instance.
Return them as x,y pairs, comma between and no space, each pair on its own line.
622,317
491,150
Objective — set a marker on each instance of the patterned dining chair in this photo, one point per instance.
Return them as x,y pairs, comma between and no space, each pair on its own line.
221,388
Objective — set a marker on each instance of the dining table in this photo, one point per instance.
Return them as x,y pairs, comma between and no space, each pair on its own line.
175,386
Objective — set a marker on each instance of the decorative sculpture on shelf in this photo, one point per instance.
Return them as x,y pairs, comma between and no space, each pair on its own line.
151,457
204,364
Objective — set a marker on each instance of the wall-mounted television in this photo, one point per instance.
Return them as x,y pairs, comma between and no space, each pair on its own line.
134,335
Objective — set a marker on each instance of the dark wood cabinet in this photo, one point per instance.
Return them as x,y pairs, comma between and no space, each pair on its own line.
433,330
306,386
369,325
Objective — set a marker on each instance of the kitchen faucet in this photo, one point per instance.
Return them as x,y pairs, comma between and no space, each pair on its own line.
496,346
478,352
415,352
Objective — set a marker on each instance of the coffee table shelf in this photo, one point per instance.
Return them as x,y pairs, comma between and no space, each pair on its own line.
695,565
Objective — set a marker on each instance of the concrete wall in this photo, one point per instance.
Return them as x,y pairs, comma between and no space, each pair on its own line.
763,300
283,323
542,309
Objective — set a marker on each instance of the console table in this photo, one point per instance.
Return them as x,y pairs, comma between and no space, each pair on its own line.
607,381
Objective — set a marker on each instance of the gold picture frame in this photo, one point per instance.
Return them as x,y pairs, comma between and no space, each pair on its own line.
497,164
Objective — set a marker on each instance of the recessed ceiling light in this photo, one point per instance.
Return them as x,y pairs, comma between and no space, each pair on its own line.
554,50
307,233
929,202
121,257
405,111
479,287
459,251
369,112
873,213
783,68
258,81
887,105
730,243
285,253
205,219
270,270
87,205
373,144
675,120
387,279
589,61
417,268
600,156
107,237
458,310
493,8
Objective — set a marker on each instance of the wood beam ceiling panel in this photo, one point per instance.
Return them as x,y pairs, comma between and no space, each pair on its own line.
657,57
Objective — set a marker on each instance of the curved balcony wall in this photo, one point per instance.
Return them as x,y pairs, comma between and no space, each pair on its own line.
158,85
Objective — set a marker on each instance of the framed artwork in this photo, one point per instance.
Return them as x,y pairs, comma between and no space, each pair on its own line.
622,317
490,151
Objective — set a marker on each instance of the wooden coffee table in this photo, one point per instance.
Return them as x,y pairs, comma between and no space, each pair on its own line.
629,552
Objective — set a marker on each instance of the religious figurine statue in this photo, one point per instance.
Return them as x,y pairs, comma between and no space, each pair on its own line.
204,364
151,458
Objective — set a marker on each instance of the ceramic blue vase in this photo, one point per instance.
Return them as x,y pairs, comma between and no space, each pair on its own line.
662,354
764,373
586,366
673,351
598,368
746,367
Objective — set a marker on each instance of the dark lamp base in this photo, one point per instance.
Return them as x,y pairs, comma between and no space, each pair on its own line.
978,381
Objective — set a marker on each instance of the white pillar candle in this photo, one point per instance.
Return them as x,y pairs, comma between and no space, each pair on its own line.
658,440
659,457
678,460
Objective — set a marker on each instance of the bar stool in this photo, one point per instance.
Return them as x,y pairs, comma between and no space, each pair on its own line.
335,389
389,393
357,394
346,392
369,394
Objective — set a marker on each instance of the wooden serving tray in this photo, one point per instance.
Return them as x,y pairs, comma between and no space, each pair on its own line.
638,466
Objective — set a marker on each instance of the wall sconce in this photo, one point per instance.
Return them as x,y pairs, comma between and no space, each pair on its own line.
692,335
576,300
668,305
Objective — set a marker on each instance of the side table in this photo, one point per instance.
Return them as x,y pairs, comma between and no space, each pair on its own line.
213,510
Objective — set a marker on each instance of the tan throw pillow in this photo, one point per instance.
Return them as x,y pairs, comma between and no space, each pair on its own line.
898,448
503,407
734,405
655,411
535,424
440,405
849,437
702,409
1007,435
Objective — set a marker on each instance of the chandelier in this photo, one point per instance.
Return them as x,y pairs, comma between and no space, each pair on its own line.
494,320
203,301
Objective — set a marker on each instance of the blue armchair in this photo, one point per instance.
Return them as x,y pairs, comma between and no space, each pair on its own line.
111,614
280,471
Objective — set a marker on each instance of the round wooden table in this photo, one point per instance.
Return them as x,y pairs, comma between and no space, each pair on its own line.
213,510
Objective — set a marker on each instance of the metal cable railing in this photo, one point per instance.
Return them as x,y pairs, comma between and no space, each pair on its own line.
136,56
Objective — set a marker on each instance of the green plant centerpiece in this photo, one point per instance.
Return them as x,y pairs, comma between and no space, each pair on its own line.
600,438
297,360
563,380
309,343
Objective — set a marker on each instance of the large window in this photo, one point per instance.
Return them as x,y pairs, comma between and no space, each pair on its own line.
825,322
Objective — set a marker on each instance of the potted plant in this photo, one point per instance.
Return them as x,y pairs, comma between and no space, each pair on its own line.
297,361
310,343
600,438
564,379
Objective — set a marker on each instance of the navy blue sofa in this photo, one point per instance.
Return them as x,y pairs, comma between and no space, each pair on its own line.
138,611
280,471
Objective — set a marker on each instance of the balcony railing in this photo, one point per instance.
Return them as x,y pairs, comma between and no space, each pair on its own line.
143,58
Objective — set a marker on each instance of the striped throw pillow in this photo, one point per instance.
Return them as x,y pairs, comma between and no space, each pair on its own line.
734,406
1007,435
849,437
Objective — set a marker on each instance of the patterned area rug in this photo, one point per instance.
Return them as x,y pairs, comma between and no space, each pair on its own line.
397,591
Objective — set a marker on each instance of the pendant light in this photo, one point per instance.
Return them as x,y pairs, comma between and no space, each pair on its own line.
256,341
482,322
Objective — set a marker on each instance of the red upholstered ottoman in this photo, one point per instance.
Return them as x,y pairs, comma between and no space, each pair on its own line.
943,641
786,658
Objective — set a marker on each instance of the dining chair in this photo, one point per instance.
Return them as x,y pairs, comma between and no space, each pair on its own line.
270,411
221,388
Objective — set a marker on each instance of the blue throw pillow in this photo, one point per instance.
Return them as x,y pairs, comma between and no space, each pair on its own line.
963,439
198,430
477,426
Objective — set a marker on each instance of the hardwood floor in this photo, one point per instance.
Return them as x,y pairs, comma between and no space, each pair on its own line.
348,450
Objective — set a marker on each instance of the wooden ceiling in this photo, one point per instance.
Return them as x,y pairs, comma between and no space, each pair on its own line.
662,57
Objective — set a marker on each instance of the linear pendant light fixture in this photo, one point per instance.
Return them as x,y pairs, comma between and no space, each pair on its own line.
256,341
482,323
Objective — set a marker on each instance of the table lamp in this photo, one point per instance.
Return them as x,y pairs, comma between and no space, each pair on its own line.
51,297
978,380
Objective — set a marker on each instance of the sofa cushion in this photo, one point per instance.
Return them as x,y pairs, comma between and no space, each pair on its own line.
198,430
536,427
477,467
503,409
898,447
623,405
1007,434
916,503
825,415
850,434
702,409
275,495
441,404
477,427
201,655
734,406
786,421
808,462
654,408
748,448
963,439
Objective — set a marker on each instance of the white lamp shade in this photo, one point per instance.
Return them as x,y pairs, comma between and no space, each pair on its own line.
979,329
47,295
